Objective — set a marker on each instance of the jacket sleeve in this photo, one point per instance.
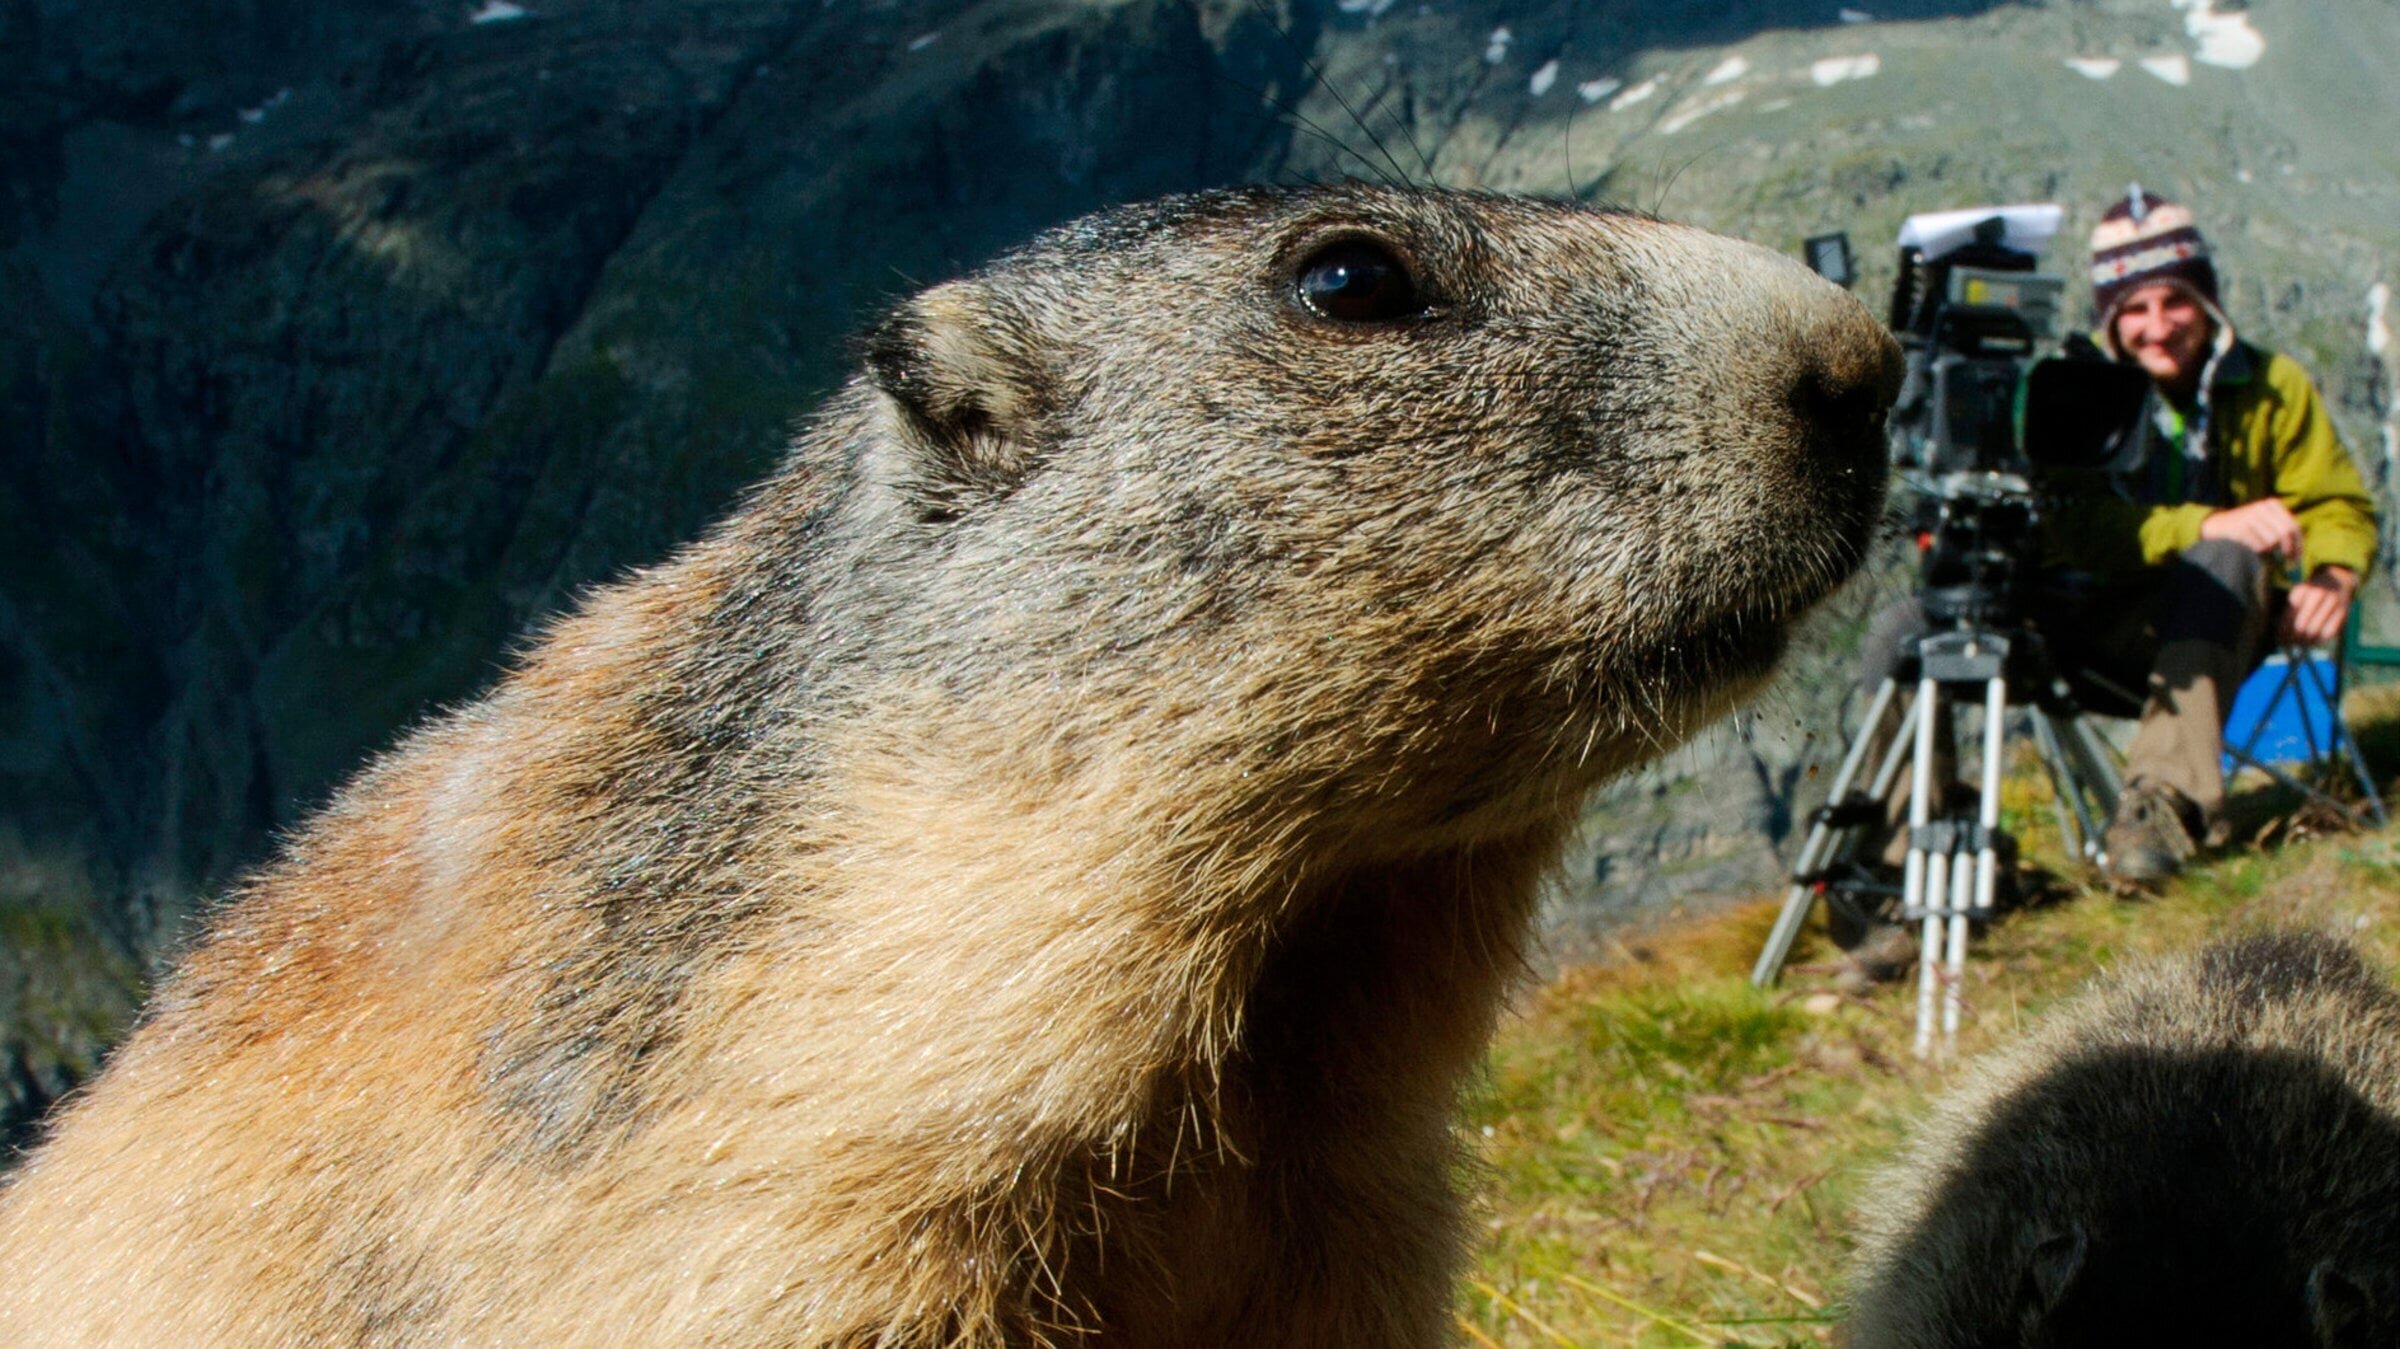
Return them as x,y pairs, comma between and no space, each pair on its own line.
2315,477
2168,530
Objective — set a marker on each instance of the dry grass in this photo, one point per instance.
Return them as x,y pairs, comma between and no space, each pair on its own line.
1671,1156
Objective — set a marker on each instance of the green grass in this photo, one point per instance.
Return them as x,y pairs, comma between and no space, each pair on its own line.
1670,1157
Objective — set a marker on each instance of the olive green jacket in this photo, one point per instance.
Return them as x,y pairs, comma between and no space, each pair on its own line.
2267,435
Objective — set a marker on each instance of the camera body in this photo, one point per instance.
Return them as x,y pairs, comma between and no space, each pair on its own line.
1986,413
1970,323
1968,362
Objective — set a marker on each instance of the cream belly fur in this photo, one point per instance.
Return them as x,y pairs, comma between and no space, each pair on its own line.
1040,871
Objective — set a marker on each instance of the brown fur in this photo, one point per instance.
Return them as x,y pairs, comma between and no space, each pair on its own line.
2203,1152
1041,870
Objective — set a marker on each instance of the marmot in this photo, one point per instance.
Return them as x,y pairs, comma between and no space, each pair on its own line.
1039,872
2203,1153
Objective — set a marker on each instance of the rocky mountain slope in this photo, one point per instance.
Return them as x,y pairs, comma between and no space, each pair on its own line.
340,342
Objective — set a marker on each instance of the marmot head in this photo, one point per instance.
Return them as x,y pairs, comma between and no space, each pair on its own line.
1421,500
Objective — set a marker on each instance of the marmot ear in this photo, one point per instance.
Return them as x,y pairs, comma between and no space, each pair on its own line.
2052,1261
2339,1310
968,394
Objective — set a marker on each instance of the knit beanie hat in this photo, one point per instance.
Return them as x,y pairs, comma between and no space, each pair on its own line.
2142,239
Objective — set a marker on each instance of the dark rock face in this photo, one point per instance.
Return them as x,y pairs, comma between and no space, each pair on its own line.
344,341
340,342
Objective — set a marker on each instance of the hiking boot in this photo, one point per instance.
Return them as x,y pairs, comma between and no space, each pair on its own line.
2152,835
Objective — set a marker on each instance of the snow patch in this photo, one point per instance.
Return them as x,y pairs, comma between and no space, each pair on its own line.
923,40
1698,108
1775,105
499,11
1835,69
1854,16
1634,95
2175,70
2379,328
1370,8
2225,40
1495,48
1592,91
1543,78
1730,69
254,116
219,141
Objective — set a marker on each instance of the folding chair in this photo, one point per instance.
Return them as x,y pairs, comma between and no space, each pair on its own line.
2287,715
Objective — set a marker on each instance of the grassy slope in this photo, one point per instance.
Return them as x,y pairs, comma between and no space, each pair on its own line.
1672,1156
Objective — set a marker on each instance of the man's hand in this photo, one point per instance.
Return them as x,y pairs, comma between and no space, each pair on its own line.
2317,607
2266,527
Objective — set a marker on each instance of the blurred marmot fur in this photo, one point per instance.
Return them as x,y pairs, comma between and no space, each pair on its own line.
2206,1152
1038,873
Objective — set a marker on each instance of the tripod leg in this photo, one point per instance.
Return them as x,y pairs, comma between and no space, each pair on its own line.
1925,877
2373,809
1986,858
1929,950
1954,954
1920,793
1822,840
1896,756
2075,823
2340,743
1879,788
2090,755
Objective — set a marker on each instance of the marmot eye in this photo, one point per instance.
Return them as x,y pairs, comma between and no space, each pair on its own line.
1359,281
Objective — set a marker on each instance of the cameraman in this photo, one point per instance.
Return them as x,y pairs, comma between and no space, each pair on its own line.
2230,515
2235,507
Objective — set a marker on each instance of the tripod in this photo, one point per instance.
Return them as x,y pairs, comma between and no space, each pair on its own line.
1951,870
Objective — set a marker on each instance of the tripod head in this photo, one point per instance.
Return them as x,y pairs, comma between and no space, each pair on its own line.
1979,548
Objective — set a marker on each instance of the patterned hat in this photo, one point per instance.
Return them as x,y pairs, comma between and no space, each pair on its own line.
2146,238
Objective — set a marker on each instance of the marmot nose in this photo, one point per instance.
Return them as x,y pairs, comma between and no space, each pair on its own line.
1848,373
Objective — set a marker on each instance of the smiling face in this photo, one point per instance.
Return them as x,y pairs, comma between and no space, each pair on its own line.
2164,327
1502,490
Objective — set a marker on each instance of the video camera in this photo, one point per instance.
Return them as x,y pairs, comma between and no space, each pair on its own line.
1984,411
